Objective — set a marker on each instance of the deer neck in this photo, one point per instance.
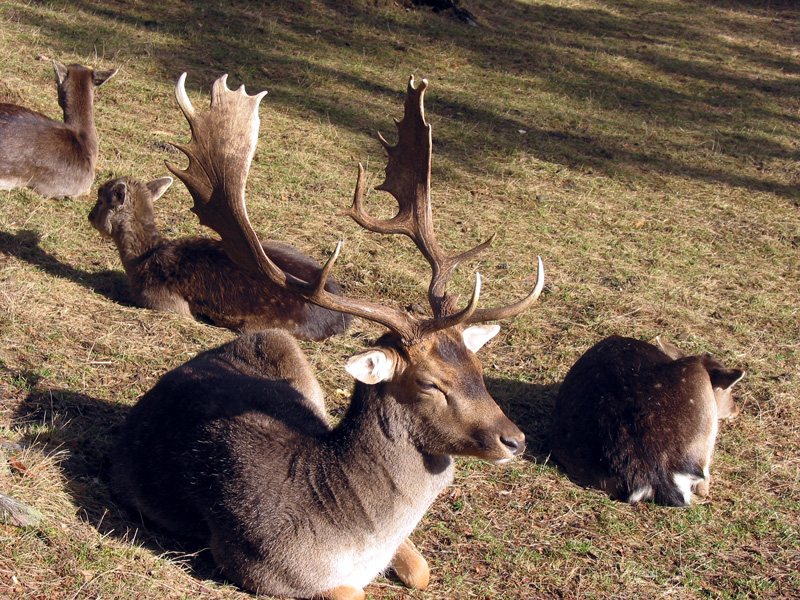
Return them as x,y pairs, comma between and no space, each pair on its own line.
135,239
392,480
79,116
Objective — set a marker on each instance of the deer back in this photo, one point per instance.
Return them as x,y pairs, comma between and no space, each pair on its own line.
640,422
53,158
195,277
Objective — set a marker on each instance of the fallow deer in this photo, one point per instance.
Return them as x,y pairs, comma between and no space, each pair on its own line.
194,277
234,448
640,422
54,159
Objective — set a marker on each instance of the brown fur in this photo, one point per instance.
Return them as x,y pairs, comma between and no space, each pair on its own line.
54,159
640,421
194,277
230,449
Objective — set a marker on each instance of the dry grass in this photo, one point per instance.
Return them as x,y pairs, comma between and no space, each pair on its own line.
647,150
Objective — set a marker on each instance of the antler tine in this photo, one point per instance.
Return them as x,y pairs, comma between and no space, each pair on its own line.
503,312
223,142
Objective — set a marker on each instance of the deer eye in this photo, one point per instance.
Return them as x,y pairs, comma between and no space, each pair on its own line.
428,385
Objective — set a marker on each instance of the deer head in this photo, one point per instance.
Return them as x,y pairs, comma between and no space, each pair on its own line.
428,362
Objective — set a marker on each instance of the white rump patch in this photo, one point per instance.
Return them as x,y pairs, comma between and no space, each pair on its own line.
643,493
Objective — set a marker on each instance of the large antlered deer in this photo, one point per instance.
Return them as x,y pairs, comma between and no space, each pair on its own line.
234,448
639,421
194,277
54,159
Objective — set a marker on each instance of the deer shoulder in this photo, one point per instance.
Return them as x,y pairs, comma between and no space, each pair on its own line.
639,421
54,158
194,276
232,449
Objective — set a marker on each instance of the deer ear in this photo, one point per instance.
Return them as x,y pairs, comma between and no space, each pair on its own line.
372,366
157,187
725,378
118,194
60,70
477,335
672,351
100,77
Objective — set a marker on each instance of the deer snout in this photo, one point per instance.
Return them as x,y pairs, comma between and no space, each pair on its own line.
511,441
516,444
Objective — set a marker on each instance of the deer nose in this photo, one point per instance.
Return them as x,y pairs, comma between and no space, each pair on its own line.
516,443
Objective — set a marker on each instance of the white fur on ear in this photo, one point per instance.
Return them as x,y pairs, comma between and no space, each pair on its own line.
158,186
673,352
477,335
372,366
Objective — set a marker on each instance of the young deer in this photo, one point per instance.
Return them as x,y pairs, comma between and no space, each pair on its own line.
54,159
639,422
235,449
194,277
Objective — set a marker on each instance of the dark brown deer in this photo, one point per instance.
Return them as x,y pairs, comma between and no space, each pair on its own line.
234,448
54,159
640,422
194,277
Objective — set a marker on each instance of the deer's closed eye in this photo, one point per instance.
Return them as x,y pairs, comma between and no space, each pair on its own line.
428,385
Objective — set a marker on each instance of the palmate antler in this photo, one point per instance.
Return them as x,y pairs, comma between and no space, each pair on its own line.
223,143
408,175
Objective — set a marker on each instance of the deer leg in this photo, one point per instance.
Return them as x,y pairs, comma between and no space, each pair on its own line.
344,592
701,489
410,566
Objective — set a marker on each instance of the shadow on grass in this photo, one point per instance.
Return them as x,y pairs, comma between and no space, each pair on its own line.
619,65
25,246
84,429
529,406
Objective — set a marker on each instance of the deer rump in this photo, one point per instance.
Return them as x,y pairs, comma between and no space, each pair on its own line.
640,424
256,471
197,272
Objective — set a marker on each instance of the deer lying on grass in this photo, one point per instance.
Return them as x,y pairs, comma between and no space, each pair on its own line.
235,449
52,158
639,422
194,277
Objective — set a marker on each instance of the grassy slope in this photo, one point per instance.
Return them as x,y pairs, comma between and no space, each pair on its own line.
647,150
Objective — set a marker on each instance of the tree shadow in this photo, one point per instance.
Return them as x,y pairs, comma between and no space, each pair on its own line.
549,48
25,246
530,407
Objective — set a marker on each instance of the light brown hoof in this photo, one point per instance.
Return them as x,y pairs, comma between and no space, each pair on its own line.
344,592
410,566
701,489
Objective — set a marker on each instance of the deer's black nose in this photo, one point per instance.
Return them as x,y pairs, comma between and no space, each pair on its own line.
514,443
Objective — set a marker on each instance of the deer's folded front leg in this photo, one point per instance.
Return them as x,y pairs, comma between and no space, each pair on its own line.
344,592
410,566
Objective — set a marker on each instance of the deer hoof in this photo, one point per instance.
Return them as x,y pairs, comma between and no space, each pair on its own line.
410,566
701,489
344,592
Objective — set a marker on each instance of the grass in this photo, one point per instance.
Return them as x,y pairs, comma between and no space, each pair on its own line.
647,150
